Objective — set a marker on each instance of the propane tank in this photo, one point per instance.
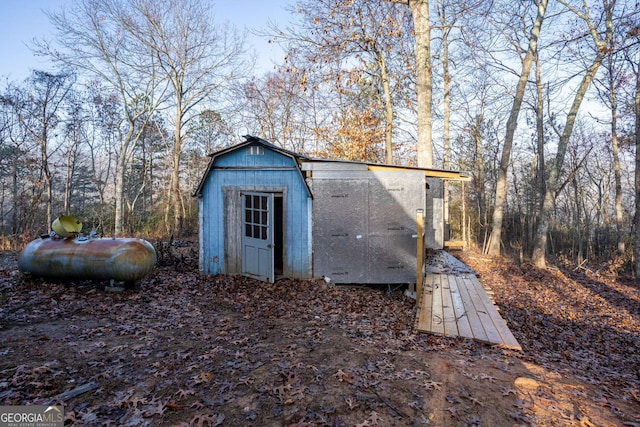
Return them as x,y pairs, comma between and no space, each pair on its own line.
122,259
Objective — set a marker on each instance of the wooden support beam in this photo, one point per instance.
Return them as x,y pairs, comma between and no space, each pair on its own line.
454,244
419,253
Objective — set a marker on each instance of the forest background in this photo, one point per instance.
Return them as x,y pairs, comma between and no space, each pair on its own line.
539,101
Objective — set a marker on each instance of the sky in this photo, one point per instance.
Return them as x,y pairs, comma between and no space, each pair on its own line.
23,20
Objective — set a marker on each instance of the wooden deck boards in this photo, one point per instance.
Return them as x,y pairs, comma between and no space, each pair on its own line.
456,305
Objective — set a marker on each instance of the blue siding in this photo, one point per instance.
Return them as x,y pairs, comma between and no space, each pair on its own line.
241,157
297,203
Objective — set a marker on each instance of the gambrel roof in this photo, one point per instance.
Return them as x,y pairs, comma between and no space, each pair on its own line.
301,158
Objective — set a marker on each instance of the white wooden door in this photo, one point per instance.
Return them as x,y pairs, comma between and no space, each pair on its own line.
257,236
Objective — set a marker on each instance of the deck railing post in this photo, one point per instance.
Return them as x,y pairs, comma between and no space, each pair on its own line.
419,253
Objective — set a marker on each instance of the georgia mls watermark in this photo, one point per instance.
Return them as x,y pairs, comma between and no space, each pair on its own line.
32,416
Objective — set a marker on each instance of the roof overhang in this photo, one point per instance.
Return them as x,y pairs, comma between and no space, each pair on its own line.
428,172
300,159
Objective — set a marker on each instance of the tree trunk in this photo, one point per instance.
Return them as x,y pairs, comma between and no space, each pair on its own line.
44,157
388,109
616,157
69,176
424,90
636,219
175,196
578,237
601,47
15,229
540,241
446,112
119,194
126,147
465,236
446,89
540,131
479,181
493,247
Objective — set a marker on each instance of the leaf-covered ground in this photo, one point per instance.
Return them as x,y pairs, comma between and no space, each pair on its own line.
182,349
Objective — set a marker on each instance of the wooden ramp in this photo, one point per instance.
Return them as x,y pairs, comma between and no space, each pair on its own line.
456,305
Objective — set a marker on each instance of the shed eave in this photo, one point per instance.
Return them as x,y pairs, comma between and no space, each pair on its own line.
453,175
430,173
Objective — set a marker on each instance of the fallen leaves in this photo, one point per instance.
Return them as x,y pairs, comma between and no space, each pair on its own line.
186,350
182,394
351,403
432,385
373,420
453,412
207,420
475,401
344,376
204,377
583,325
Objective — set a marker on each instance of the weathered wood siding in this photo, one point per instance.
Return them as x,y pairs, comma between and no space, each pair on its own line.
221,209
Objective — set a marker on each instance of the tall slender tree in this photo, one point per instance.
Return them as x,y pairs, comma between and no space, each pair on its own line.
424,76
607,90
601,39
635,64
493,246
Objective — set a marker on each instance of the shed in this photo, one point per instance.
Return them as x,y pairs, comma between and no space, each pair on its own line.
265,212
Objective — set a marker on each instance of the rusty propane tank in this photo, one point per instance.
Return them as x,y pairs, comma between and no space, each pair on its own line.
122,259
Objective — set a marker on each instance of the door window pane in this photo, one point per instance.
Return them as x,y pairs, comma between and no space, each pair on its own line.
256,216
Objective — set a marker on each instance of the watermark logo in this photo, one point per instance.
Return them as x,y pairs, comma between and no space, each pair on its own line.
32,416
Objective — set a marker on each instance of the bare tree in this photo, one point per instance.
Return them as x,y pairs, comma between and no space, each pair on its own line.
636,220
607,91
38,110
446,25
277,107
617,78
424,75
92,38
101,143
353,43
601,45
73,134
196,58
17,211
632,59
493,246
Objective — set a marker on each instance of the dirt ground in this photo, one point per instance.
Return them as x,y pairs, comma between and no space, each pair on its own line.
181,349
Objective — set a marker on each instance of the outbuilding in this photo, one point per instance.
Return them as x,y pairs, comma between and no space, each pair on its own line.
267,212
